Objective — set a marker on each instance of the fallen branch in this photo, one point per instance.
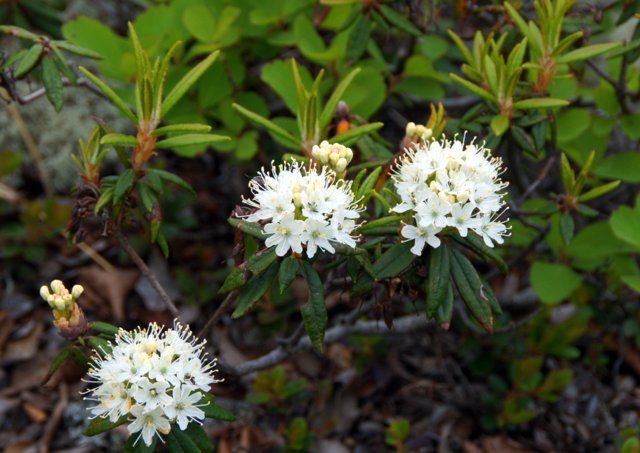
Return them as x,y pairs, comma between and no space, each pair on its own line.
401,325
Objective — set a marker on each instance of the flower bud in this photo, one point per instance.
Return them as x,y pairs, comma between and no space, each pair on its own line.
57,286
76,291
348,154
341,165
333,159
410,130
44,293
60,303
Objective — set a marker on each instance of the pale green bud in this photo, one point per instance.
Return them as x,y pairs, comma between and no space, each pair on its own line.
57,286
44,293
341,165
76,291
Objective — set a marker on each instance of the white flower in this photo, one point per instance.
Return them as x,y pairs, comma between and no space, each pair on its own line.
450,186
149,422
183,406
420,235
305,208
153,378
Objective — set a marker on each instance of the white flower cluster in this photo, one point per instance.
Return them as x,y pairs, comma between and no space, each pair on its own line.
303,208
450,185
154,378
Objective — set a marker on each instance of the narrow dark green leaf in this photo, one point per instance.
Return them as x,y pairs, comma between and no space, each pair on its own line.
395,260
314,312
471,289
99,344
212,410
100,425
79,357
330,107
584,53
193,128
598,191
52,81
269,125
236,279
247,227
194,439
260,262
123,184
358,38
567,227
171,177
180,141
29,60
352,135
110,94
186,82
288,270
105,328
539,103
78,50
490,255
57,361
391,220
254,290
135,444
475,89
444,311
399,20
368,184
119,139
438,282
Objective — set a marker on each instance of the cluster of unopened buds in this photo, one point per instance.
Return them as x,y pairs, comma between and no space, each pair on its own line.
333,155
69,318
418,133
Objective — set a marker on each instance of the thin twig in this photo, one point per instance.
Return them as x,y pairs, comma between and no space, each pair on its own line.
124,243
81,81
220,311
534,185
54,420
401,325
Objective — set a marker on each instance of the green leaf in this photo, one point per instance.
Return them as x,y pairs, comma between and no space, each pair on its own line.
539,103
358,38
259,262
52,81
395,260
553,282
391,220
622,166
123,184
475,89
269,125
193,128
171,177
192,440
29,60
330,107
625,223
57,361
288,270
180,141
567,227
236,279
247,227
568,175
499,124
584,53
100,425
199,22
110,94
353,134
314,312
367,185
254,290
135,444
186,82
78,50
399,20
105,328
490,255
119,139
471,289
212,410
632,281
438,283
598,191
